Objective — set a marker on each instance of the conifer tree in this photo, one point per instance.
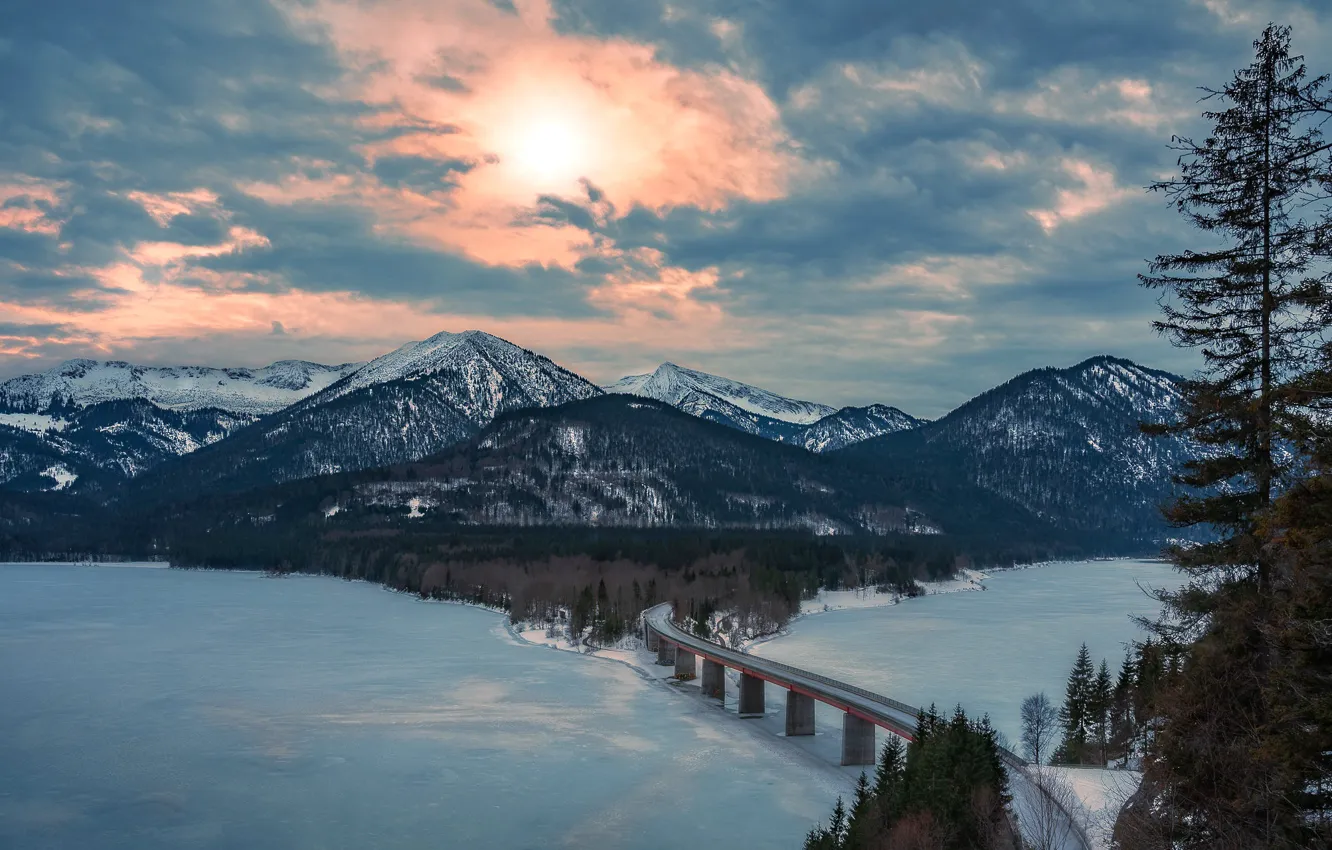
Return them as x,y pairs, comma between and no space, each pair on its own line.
1076,713
1249,304
1254,300
888,781
1300,694
861,822
1121,712
949,784
1099,705
837,824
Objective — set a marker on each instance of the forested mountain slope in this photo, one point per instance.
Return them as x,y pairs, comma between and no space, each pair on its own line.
1063,443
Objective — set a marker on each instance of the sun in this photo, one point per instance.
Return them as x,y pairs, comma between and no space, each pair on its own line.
546,148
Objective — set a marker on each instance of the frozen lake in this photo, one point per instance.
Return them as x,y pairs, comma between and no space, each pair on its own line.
150,708
153,708
984,649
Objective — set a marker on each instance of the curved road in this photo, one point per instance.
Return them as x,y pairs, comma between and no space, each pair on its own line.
897,717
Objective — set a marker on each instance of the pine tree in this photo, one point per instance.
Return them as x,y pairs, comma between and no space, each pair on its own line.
888,781
1300,729
1246,304
1076,713
1121,712
862,821
1099,705
837,824
1254,301
949,784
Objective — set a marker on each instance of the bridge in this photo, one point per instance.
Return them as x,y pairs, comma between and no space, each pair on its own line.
863,711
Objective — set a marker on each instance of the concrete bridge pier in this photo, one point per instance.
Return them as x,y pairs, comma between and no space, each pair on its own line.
684,662
665,652
751,696
650,638
857,740
799,714
714,679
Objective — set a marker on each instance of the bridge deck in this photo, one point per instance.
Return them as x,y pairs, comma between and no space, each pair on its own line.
897,717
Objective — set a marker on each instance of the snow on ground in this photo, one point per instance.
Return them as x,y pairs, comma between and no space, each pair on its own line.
37,423
61,474
1101,793
870,597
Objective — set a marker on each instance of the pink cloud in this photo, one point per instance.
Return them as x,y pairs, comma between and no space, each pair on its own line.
1096,192
536,111
26,202
164,207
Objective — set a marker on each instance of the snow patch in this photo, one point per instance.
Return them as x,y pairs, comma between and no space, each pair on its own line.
61,474
37,423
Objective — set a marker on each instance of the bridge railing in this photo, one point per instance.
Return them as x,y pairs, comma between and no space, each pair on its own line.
1012,758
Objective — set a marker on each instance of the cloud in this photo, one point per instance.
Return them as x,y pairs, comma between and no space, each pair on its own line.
534,111
852,201
1096,192
28,204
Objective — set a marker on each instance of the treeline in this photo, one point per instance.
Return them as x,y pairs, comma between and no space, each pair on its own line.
947,789
1105,719
592,584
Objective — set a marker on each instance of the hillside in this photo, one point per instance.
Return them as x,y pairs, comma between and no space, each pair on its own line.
1062,443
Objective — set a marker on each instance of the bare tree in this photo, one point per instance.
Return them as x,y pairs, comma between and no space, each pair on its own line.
1050,813
1040,723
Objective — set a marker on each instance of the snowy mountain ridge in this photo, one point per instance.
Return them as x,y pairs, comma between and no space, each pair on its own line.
698,392
816,427
852,425
406,405
248,392
480,363
1063,443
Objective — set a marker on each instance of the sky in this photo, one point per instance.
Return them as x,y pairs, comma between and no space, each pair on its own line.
849,201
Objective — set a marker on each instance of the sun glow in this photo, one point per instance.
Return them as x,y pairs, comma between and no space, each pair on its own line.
546,150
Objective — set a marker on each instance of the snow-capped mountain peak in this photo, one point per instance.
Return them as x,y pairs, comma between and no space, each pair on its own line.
251,392
696,392
490,374
854,424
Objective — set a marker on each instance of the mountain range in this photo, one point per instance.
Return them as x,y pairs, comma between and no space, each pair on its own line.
816,427
622,461
1053,450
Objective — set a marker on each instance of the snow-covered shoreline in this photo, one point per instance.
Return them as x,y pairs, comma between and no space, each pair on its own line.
626,649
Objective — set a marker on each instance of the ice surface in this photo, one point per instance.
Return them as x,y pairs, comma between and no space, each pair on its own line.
160,708
986,650
167,709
